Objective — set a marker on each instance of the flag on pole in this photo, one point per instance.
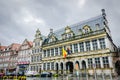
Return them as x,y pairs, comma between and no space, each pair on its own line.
68,51
64,53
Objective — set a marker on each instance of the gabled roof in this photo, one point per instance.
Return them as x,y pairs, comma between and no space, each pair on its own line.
75,27
2,48
30,43
14,46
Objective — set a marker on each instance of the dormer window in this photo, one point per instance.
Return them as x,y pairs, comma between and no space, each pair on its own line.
68,33
50,40
86,29
97,26
51,36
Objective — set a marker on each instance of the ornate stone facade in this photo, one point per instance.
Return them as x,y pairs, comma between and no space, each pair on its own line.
36,56
89,46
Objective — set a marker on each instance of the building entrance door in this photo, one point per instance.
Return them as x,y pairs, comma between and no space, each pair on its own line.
61,68
57,68
69,67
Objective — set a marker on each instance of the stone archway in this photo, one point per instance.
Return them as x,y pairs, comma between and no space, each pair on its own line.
61,64
83,64
57,67
77,65
69,67
117,67
83,68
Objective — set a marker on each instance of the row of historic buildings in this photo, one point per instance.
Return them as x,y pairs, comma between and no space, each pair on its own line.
88,44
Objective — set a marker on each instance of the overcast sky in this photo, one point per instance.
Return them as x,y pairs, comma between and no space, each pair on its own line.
19,19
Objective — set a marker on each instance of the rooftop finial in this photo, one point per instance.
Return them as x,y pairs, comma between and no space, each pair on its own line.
103,12
51,30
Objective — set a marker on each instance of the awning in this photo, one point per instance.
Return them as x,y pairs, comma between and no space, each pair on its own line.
23,62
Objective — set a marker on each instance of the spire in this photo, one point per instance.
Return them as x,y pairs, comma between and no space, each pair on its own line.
103,12
38,34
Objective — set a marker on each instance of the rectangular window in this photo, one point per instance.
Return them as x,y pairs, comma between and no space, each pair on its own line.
81,47
69,35
38,43
37,58
87,45
48,53
56,51
45,53
105,62
40,50
95,45
40,57
75,48
52,65
31,68
32,59
90,63
44,66
36,68
32,51
52,52
97,62
60,50
102,43
48,66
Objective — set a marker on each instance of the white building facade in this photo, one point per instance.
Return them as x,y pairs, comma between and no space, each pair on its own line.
36,56
24,55
89,46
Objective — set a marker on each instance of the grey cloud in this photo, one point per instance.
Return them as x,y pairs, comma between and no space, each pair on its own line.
55,13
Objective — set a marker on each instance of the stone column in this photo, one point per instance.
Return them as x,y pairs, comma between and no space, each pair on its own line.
107,43
110,61
64,67
101,62
54,66
98,43
80,65
78,47
84,46
91,45
46,53
46,65
50,66
58,51
86,63
72,48
54,51
50,52
59,68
